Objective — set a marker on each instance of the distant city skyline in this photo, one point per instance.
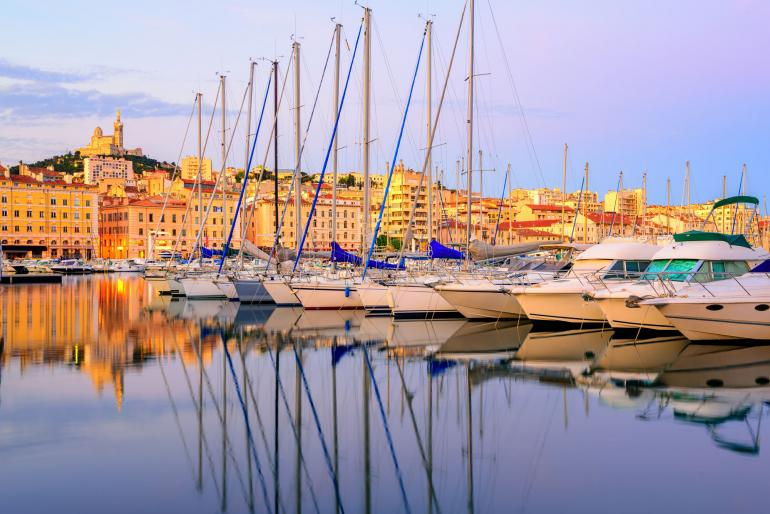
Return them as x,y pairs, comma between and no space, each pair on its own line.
632,86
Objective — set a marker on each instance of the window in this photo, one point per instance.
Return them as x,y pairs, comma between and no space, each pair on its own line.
15,214
64,215
41,214
53,215
141,217
141,231
173,218
4,199
151,217
5,213
88,215
64,201
88,203
53,201
29,214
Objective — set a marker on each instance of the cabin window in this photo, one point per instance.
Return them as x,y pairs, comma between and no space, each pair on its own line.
678,270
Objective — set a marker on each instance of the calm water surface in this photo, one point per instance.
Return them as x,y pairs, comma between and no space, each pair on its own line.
114,399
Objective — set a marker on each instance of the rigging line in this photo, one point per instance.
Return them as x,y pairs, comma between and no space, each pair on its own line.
420,446
245,410
221,421
615,208
264,160
328,151
198,177
577,210
515,92
223,179
321,436
387,430
176,416
294,429
199,412
176,165
395,156
428,153
299,159
500,210
245,173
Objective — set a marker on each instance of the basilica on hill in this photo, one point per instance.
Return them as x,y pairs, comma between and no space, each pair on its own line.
102,144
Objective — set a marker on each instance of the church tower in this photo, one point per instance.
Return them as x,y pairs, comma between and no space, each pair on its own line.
117,136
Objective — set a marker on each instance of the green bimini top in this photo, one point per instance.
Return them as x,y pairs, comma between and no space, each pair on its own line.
736,199
699,235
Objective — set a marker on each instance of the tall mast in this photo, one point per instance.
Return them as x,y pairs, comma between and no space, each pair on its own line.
585,209
564,195
337,32
469,123
668,205
428,101
200,165
297,129
248,144
644,197
224,163
687,192
275,142
457,194
510,208
481,194
724,195
620,201
367,100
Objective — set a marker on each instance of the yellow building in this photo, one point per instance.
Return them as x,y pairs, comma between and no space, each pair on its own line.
141,228
189,168
629,202
102,144
47,219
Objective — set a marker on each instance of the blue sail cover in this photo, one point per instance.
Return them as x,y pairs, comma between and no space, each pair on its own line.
763,267
208,253
340,255
439,251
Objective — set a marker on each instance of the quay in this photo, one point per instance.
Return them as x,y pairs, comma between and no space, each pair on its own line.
31,278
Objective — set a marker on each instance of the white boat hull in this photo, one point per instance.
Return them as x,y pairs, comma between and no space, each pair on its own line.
281,293
200,288
418,301
322,296
698,321
374,298
483,304
621,316
228,288
564,307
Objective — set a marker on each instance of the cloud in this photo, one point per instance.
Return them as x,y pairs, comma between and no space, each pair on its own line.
35,101
21,72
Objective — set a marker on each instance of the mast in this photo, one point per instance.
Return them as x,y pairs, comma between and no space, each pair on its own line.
469,122
644,197
367,101
457,193
585,209
428,101
224,165
510,208
564,195
336,95
687,191
724,195
668,205
200,164
275,142
620,201
297,129
481,195
248,145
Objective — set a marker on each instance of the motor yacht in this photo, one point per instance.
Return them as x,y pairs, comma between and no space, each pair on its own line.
564,299
72,267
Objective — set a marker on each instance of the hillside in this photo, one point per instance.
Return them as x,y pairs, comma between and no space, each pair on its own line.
73,163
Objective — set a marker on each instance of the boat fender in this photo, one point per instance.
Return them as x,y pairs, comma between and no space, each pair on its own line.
347,291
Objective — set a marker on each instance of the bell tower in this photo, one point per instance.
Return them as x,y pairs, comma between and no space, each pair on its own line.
117,136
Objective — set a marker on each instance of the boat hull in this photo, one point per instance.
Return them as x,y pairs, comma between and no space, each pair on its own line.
483,304
374,298
280,293
419,302
328,297
252,290
568,307
201,289
698,321
619,315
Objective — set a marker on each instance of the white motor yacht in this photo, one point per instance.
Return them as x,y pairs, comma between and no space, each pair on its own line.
564,299
693,258
72,267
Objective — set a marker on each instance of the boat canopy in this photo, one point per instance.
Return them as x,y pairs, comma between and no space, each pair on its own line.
700,235
438,251
736,199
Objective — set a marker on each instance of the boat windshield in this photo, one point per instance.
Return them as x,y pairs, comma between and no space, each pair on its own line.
677,270
589,265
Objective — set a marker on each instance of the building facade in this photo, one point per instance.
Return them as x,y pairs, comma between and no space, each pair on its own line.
96,169
48,219
102,144
189,168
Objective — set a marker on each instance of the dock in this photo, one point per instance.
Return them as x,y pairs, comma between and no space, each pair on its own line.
31,278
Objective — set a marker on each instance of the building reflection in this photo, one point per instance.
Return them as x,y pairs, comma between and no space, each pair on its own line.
100,326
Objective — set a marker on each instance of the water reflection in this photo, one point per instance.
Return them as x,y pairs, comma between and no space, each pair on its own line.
228,408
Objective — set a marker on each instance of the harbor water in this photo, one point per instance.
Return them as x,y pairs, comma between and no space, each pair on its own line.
116,399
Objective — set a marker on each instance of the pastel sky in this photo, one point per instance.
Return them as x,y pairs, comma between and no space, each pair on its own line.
632,85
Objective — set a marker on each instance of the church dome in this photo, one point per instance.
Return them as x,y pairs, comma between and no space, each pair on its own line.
98,132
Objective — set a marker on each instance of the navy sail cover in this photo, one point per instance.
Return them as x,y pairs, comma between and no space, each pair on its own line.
438,251
340,255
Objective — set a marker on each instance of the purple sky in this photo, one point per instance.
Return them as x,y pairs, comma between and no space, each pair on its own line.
628,85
